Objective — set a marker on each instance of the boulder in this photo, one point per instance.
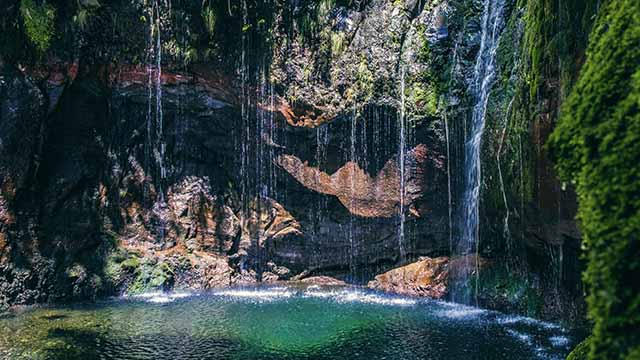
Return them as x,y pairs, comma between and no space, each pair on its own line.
428,277
425,278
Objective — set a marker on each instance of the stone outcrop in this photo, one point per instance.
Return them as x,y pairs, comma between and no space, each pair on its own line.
360,193
428,277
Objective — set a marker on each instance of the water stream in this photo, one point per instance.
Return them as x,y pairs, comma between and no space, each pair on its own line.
483,76
401,162
154,146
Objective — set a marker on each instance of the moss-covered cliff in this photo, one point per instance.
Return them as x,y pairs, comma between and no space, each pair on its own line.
596,147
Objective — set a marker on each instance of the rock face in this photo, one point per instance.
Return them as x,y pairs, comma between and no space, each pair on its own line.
235,175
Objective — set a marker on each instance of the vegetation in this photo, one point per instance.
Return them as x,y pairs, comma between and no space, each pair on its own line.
581,352
38,23
596,146
555,34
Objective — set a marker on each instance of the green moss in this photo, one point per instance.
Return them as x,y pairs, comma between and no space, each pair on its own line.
554,34
38,23
76,271
503,288
581,351
425,97
337,43
425,88
131,263
596,145
362,88
151,275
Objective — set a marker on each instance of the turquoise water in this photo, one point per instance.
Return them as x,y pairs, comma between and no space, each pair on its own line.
277,323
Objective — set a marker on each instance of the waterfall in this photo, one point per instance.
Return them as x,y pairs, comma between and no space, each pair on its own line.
354,161
401,162
483,76
154,146
322,140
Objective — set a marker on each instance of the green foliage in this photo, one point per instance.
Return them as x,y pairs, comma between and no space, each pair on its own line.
39,23
363,87
151,275
86,9
596,145
337,43
581,351
425,96
209,16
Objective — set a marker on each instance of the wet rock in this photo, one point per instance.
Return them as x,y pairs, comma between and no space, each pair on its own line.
424,278
428,277
198,218
360,193
322,281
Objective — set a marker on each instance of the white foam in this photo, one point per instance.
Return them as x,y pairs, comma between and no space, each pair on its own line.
320,294
262,294
148,295
345,296
180,295
508,320
559,341
375,299
158,297
462,313
525,338
459,311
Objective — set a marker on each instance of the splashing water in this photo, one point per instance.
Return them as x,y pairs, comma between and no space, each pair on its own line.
484,73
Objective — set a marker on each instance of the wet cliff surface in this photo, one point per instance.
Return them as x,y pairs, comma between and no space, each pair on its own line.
184,146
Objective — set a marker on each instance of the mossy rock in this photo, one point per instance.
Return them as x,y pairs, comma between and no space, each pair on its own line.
501,288
131,263
151,275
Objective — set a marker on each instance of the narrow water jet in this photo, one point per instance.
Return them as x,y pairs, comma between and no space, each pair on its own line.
401,162
155,147
354,160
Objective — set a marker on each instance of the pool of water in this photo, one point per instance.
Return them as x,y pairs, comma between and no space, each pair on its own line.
277,323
